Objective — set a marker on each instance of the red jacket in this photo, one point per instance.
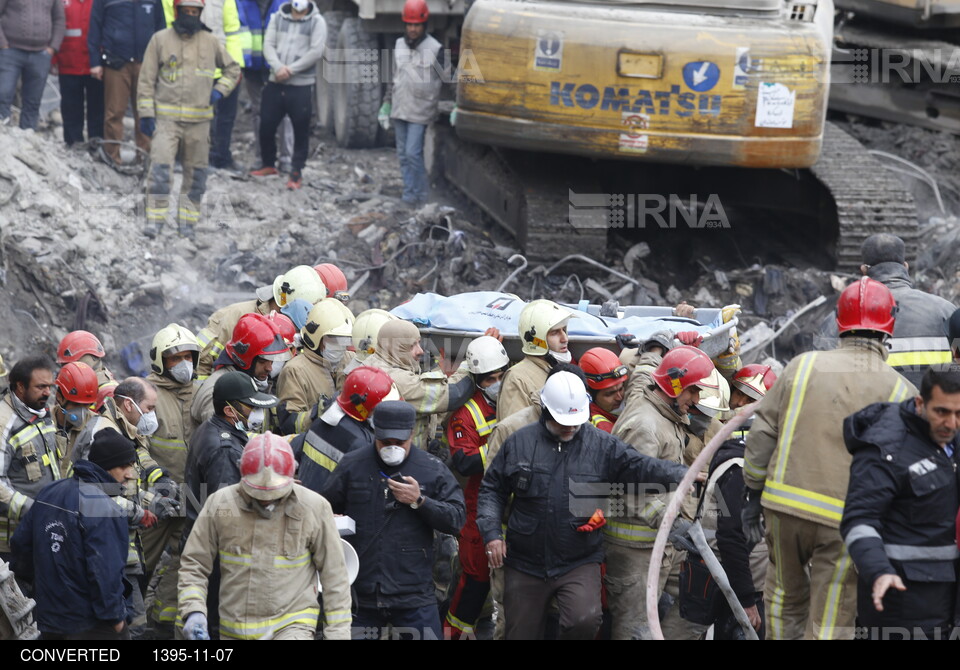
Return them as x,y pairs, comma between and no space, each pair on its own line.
602,420
467,434
74,56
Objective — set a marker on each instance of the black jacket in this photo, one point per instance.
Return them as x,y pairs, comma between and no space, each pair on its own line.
556,488
901,507
393,541
213,461
121,29
731,542
321,448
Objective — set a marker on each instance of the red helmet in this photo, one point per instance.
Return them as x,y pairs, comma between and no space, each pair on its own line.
78,383
267,467
415,11
682,367
363,389
104,392
256,335
77,344
754,380
866,305
285,325
332,277
603,368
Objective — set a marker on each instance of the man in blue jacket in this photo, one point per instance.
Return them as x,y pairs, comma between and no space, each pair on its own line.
73,545
119,33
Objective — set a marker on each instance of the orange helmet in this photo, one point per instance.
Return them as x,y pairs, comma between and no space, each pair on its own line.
415,11
754,380
267,467
78,383
76,344
288,330
105,391
603,368
256,335
682,367
866,305
364,389
332,277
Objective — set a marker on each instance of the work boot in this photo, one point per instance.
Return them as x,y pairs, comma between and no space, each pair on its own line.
296,180
265,171
151,229
187,229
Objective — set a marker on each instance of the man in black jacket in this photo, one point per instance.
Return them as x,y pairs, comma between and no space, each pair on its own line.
901,509
398,496
552,546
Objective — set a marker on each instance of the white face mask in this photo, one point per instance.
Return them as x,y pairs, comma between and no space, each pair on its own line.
256,419
334,348
393,454
182,372
565,357
261,385
277,367
493,391
148,423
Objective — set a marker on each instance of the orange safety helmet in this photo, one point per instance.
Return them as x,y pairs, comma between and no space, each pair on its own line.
415,11
603,368
288,330
267,467
105,391
78,383
256,335
332,277
754,380
866,305
364,389
76,344
682,367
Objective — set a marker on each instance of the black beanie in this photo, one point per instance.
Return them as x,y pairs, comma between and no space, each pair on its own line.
110,450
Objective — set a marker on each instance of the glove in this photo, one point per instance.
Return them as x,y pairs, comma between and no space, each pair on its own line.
166,488
595,522
148,126
627,341
164,507
148,520
195,627
729,312
750,517
383,117
453,116
679,529
215,96
690,337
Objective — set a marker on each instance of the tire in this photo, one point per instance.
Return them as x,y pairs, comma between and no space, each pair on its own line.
356,97
323,101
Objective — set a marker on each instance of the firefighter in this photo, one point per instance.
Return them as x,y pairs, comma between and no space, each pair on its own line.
796,468
335,281
606,379
76,393
176,86
83,346
467,433
366,329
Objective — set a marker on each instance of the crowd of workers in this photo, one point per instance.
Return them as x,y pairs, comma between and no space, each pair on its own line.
204,501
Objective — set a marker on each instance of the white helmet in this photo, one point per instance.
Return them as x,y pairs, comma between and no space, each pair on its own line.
486,354
714,394
366,327
301,282
328,317
170,340
566,398
537,319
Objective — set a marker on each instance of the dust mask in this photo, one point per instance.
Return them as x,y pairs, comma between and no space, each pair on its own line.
392,454
182,372
493,391
564,357
276,368
148,423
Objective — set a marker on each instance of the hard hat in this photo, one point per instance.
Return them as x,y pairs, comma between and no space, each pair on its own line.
603,368
754,380
332,277
301,282
3,368
104,392
297,311
566,398
365,388
328,317
866,305
537,319
187,3
486,354
415,11
78,383
366,327
661,338
714,394
256,335
267,467
680,368
77,344
170,340
284,324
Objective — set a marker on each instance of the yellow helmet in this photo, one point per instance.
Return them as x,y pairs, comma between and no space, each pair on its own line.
366,328
301,282
537,319
3,368
714,394
172,339
328,317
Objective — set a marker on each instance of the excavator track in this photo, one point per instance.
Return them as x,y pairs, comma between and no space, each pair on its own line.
867,197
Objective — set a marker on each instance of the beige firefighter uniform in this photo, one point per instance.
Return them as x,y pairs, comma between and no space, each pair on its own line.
219,331
28,461
175,85
302,382
268,567
641,368
651,426
522,385
796,455
67,437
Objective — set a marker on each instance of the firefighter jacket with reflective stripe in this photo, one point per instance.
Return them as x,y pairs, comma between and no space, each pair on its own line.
467,434
254,16
795,450
556,488
522,385
304,382
28,461
901,507
178,76
651,426
219,331
320,449
168,445
223,20
601,419
269,564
